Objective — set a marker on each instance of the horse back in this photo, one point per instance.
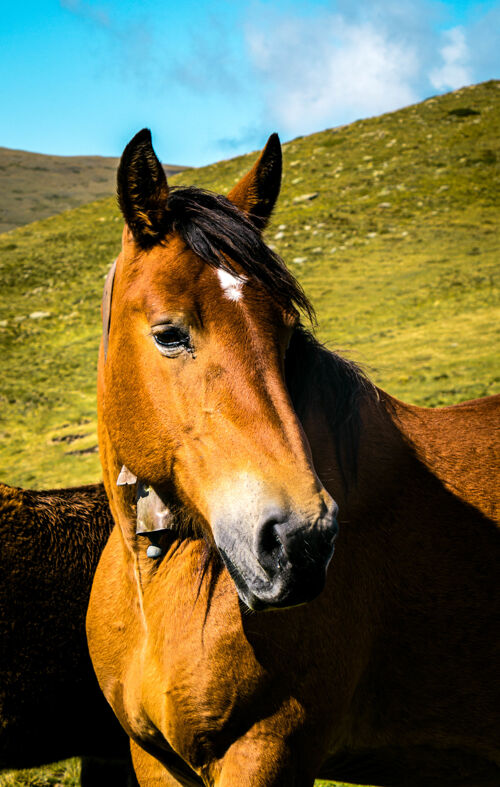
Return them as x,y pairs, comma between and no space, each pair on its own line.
460,446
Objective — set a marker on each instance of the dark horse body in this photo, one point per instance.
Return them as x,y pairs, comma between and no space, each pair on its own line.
51,707
390,675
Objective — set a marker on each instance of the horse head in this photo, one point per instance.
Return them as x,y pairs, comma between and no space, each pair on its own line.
192,392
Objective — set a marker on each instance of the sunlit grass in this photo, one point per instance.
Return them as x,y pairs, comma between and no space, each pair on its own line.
61,774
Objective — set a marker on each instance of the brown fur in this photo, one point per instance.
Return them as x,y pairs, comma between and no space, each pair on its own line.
390,676
50,704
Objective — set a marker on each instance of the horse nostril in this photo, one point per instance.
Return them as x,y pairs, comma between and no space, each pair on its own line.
284,540
269,546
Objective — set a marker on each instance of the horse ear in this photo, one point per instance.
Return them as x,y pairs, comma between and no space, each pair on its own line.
257,192
142,190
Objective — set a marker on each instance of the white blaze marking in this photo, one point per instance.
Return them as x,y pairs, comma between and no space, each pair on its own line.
231,284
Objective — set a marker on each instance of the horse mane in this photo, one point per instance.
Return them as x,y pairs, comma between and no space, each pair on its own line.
220,233
320,379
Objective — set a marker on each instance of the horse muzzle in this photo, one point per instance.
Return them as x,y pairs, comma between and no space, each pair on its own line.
284,561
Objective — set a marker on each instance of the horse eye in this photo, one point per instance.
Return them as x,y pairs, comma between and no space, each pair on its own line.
171,340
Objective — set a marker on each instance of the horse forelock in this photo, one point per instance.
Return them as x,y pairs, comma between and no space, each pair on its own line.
225,238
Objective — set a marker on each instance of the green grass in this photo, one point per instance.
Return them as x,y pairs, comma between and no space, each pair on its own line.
398,251
60,774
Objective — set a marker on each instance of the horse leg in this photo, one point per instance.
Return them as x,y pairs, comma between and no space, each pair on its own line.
262,762
151,772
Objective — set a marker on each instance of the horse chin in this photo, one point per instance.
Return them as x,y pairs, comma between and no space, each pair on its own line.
288,588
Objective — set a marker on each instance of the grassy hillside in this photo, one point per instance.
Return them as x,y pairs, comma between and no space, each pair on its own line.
34,186
390,223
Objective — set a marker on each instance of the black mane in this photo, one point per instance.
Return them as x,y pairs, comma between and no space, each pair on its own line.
320,379
220,233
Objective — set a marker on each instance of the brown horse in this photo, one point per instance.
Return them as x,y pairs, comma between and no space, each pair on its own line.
51,707
229,427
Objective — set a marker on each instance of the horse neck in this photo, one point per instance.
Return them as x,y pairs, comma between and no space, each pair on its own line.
405,450
386,458
369,473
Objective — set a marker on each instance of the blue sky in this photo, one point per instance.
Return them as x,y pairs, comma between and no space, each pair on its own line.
214,79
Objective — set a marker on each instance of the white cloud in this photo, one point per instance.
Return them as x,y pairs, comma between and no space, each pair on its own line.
454,72
324,72
294,67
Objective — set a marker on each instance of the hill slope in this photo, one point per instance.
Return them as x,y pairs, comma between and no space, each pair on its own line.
390,223
34,186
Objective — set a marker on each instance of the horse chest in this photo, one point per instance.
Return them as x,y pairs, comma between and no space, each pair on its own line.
189,688
162,665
